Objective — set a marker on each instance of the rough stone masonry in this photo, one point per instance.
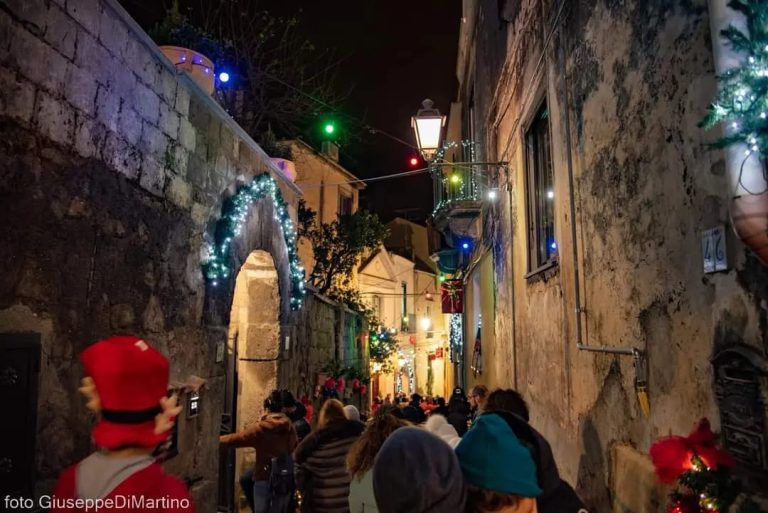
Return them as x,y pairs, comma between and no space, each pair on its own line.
113,170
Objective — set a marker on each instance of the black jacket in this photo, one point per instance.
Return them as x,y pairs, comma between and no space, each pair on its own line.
414,414
303,428
557,495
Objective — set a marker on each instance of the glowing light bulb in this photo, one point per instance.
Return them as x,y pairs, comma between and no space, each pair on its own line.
550,194
224,77
492,194
455,178
465,245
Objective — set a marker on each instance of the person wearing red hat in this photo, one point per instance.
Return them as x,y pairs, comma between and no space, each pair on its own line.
126,385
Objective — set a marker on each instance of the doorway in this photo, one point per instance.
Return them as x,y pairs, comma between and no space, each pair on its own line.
19,372
253,343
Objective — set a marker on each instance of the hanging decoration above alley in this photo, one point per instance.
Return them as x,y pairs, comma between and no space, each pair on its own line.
742,100
452,296
234,214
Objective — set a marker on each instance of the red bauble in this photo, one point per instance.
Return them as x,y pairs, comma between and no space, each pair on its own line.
672,455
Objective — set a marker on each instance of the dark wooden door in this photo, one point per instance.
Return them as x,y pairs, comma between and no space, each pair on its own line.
19,370
226,491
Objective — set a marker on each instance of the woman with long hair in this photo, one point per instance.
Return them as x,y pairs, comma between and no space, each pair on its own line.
361,456
321,470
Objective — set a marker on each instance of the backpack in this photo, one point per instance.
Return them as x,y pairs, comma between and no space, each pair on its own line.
282,485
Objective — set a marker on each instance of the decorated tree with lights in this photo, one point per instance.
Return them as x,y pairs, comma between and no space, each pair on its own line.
702,471
382,345
742,100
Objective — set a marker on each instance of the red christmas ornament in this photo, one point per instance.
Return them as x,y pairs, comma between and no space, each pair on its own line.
356,384
341,384
672,455
363,389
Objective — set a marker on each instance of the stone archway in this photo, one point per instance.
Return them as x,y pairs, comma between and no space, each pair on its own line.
253,345
260,269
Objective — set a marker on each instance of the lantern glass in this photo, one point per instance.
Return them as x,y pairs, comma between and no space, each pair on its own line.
428,127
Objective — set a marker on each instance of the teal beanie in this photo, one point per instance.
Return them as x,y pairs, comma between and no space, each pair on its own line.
492,458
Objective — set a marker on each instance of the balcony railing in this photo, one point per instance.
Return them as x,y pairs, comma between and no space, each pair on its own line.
456,187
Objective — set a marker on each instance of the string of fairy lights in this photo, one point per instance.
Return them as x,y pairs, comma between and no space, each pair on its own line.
216,264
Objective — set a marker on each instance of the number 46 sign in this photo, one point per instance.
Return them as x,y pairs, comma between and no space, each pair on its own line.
713,249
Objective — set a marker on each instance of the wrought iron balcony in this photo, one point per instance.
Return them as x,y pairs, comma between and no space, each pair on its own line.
458,191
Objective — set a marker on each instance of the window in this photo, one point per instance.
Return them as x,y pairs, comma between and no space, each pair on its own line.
345,205
542,248
377,306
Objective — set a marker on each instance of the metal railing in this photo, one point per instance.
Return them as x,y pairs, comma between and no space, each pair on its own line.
456,183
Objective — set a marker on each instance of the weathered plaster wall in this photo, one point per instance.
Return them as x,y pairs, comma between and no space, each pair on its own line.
114,170
634,78
313,169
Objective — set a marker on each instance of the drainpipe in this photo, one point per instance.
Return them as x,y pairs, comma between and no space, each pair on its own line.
749,203
636,353
512,274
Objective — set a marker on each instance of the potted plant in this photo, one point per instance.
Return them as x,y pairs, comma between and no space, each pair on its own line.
188,47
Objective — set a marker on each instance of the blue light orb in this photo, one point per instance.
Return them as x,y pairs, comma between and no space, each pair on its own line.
224,77
465,245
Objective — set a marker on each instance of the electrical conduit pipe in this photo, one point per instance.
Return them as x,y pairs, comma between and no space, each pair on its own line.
749,201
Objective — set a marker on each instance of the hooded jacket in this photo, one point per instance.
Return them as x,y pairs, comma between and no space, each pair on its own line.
273,435
557,495
321,461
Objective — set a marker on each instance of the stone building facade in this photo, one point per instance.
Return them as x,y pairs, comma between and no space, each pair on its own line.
614,92
115,170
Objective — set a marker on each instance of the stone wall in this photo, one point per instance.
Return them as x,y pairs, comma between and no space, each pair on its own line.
114,169
626,84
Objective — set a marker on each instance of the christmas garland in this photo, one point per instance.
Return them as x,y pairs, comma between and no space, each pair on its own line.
742,99
234,213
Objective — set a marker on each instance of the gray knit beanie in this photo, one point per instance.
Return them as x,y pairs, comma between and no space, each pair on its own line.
416,472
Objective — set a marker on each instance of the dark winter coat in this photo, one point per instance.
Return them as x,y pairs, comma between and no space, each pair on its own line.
321,466
458,415
414,413
300,423
273,435
557,495
440,410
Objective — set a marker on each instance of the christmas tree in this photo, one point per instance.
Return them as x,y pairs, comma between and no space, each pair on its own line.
742,100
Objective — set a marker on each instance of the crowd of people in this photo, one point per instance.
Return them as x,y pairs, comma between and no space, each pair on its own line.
476,454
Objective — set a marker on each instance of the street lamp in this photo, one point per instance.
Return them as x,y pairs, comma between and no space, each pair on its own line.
428,126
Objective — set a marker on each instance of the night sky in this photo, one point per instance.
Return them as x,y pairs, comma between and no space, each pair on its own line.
396,53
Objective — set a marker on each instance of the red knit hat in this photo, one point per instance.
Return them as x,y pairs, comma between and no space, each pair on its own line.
130,378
